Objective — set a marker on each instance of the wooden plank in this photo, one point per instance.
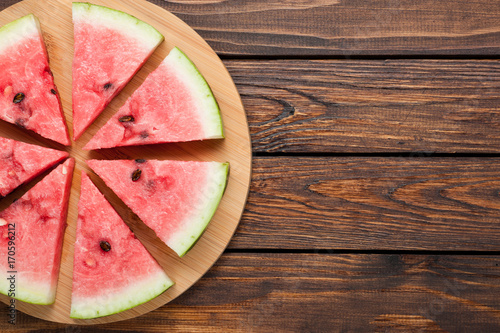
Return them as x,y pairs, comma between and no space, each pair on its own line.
341,28
371,106
344,28
324,293
372,203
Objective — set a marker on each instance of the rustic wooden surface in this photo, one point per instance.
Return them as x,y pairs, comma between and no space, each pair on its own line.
328,106
372,203
322,292
375,195
343,28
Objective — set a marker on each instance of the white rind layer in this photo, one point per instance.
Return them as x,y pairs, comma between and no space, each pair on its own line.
187,71
122,22
16,31
121,300
183,240
34,293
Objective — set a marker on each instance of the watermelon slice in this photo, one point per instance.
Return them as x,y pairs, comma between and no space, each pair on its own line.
112,270
21,162
176,199
28,96
31,234
110,46
173,104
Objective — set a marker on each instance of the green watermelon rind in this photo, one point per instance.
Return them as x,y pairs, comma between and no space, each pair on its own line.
124,300
186,239
13,32
199,86
125,23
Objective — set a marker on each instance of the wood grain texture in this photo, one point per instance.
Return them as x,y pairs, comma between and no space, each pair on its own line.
324,293
324,106
372,203
57,27
344,28
341,28
318,204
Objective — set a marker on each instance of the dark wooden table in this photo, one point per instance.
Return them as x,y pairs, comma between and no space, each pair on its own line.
375,199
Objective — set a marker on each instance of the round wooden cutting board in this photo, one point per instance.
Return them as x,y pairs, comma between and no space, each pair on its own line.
56,24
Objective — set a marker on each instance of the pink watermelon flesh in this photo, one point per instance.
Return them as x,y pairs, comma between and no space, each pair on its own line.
110,47
39,220
176,199
28,96
173,104
21,162
107,282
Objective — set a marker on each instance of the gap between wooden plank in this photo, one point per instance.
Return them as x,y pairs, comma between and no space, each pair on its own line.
414,154
374,57
351,251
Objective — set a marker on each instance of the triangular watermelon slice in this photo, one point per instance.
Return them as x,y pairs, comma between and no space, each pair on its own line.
110,46
21,162
176,199
112,270
31,235
28,96
173,104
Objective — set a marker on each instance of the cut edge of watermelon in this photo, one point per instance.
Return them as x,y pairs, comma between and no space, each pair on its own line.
122,23
13,33
184,240
67,169
187,70
85,307
119,21
57,157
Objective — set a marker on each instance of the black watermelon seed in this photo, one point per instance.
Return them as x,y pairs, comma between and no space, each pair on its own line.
105,246
126,119
107,86
18,98
53,91
20,122
136,175
140,160
144,135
